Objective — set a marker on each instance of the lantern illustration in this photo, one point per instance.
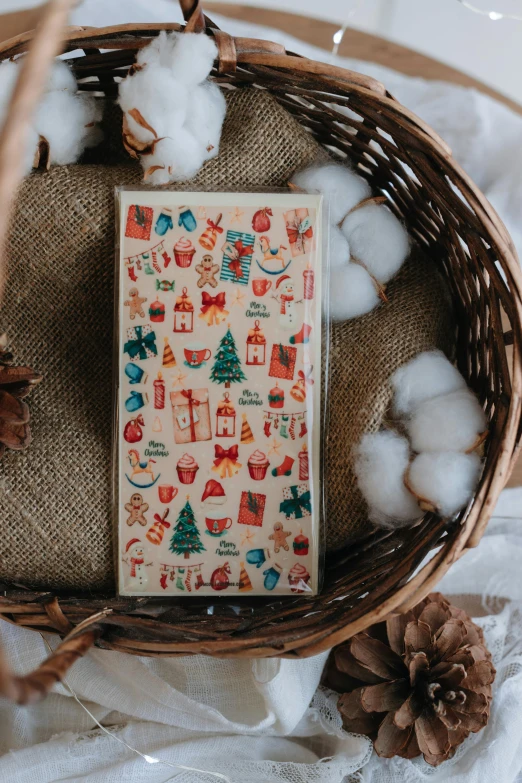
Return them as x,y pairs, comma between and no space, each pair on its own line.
256,345
183,313
225,418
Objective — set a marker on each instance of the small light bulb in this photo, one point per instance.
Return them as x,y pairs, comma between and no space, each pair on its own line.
151,759
338,37
495,16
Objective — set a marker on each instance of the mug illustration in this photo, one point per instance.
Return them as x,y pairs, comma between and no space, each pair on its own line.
260,285
216,523
196,355
167,493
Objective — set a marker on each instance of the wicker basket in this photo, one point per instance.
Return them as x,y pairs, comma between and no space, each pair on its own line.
405,160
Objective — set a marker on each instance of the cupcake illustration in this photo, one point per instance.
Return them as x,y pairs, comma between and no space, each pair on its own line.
184,252
258,465
187,468
298,578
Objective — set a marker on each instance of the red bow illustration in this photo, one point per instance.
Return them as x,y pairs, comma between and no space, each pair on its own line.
226,463
214,226
236,252
221,453
207,301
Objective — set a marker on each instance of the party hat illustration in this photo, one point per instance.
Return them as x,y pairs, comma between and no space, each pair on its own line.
244,580
247,436
168,356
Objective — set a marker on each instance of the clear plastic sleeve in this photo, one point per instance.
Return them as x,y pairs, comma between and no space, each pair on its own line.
221,357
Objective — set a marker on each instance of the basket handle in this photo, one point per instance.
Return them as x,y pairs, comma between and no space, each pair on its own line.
35,686
29,86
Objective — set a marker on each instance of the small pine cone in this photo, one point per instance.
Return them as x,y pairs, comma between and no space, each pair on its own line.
418,683
15,383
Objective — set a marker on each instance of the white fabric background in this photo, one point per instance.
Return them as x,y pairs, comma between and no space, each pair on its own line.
263,721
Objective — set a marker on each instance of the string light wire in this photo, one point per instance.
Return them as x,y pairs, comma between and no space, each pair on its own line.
495,16
145,756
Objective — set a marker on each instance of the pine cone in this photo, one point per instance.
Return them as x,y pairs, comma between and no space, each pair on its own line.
418,683
15,383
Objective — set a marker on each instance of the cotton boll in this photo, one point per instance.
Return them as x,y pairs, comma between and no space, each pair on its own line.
338,247
352,292
451,422
340,185
159,98
206,112
428,375
377,239
62,119
447,480
381,461
180,158
193,56
61,78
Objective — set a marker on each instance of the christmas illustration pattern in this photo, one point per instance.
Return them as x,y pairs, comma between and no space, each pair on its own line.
219,351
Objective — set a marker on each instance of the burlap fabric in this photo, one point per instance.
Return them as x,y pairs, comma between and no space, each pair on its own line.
56,520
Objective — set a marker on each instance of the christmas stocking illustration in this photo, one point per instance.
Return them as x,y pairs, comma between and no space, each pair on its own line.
199,579
283,428
266,427
179,579
302,335
285,468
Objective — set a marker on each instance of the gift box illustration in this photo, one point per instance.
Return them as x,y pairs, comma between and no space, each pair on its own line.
299,230
282,361
237,257
141,343
251,508
139,222
296,502
191,414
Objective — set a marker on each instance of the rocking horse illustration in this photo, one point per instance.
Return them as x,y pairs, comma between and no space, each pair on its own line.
139,467
272,254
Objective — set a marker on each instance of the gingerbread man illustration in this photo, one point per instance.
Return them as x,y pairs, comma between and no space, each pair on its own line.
279,537
207,270
135,303
136,509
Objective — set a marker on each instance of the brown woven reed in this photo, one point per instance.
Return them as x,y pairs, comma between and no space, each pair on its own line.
405,160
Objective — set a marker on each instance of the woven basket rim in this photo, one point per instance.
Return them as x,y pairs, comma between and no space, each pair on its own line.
84,621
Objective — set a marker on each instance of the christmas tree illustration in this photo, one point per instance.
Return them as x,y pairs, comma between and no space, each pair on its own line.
186,538
227,367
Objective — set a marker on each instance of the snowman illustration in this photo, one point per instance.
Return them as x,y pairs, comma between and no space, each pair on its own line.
139,580
287,303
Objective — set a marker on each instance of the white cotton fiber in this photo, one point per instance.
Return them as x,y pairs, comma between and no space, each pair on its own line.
428,375
179,159
68,122
206,112
161,101
451,422
170,100
381,460
352,292
337,247
66,119
193,56
445,479
340,185
377,239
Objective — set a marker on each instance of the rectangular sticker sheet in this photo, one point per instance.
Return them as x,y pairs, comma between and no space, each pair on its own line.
218,402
